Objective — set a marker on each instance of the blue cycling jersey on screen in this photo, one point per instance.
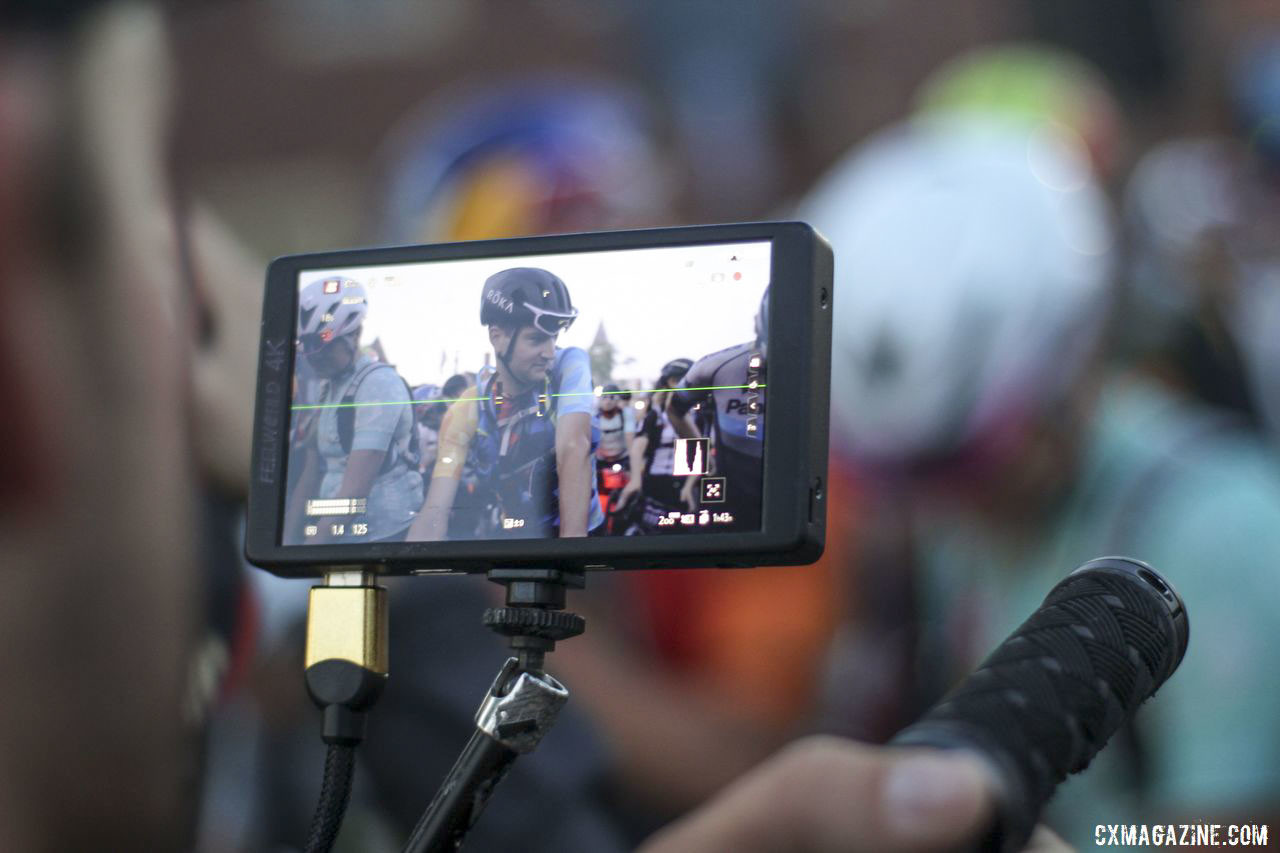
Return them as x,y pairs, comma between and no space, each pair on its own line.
514,448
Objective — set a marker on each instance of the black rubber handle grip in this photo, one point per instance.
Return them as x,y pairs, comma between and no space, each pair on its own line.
1052,694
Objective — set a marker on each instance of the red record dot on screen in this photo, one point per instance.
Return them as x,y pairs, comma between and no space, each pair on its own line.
737,276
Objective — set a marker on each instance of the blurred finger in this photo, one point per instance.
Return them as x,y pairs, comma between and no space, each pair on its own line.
829,794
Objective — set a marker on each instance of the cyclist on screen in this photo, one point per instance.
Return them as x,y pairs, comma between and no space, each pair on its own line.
653,479
351,450
737,403
616,422
526,431
427,415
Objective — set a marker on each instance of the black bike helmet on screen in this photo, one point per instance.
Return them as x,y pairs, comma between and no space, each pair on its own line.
675,369
527,296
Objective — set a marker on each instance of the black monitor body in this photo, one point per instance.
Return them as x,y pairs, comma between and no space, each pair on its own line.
795,377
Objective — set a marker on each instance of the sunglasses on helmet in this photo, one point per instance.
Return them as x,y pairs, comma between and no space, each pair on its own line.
551,322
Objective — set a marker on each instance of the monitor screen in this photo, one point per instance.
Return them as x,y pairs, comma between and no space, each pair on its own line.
601,393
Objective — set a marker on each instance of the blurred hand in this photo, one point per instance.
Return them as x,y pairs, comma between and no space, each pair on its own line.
686,494
629,491
229,292
101,607
831,794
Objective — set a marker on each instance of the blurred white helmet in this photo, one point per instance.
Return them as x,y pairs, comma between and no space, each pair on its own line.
328,309
971,282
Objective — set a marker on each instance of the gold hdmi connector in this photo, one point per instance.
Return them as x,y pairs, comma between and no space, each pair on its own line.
347,620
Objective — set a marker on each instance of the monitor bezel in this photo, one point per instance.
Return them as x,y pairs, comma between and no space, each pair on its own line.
796,418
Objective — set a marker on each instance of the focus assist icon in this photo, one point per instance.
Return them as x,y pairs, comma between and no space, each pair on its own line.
713,489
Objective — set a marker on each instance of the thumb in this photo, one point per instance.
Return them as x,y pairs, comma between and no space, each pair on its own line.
826,793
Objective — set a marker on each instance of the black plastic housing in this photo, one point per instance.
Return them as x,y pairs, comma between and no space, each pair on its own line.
1048,698
796,420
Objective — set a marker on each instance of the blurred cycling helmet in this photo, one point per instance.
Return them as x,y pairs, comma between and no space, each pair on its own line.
329,309
675,369
455,385
1033,86
611,394
553,155
425,393
428,405
971,288
527,296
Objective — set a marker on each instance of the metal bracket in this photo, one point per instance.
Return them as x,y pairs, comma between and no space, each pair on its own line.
520,715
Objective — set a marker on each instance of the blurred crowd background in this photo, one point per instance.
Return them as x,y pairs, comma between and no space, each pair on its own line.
1057,336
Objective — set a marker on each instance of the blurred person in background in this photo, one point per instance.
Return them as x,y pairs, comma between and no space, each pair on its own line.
971,304
428,411
616,422
473,502
653,459
1204,267
430,404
